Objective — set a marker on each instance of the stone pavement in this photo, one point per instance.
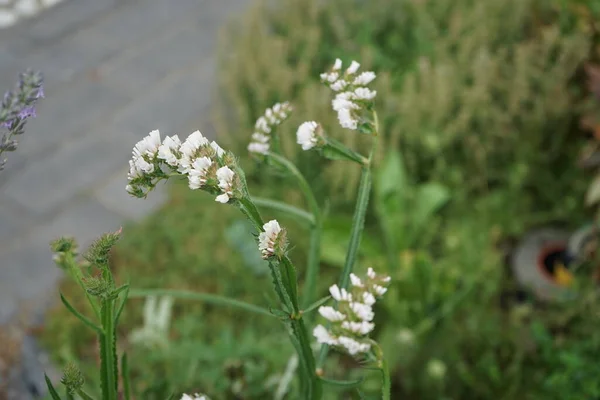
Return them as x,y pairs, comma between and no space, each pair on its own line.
114,70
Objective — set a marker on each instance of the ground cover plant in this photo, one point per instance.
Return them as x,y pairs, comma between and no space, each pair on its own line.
479,106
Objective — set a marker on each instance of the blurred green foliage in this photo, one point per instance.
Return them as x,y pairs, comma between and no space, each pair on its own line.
479,104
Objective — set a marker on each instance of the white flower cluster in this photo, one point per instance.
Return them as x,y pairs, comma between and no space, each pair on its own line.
272,240
352,321
309,135
265,125
205,164
353,96
193,397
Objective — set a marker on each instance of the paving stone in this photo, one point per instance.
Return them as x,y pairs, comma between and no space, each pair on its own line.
143,20
113,196
187,49
65,18
46,183
170,106
68,114
63,60
13,221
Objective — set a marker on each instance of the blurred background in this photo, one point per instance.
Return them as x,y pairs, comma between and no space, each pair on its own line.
483,208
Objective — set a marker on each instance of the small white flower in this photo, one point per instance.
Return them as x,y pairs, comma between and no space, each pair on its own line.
379,290
130,189
364,78
340,294
362,311
217,149
193,397
167,151
361,328
370,273
225,176
352,346
356,281
260,137
142,166
188,150
330,77
347,120
344,101
362,93
197,173
338,85
262,125
354,66
337,65
306,135
148,145
323,336
368,298
268,238
331,314
258,148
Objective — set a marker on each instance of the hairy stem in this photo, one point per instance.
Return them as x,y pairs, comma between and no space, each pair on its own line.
386,388
285,208
358,224
107,349
314,251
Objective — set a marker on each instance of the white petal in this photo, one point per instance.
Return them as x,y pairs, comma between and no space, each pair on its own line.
222,198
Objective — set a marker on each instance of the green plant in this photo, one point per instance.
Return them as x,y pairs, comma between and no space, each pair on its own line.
107,301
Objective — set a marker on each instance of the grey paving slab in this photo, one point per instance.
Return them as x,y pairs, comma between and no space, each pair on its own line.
185,49
170,106
143,20
112,195
45,184
70,113
65,18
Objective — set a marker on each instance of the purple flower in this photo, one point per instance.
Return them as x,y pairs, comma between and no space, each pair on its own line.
26,112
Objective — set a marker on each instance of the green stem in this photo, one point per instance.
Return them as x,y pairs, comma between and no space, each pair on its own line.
314,251
285,208
346,152
289,285
108,351
386,389
205,297
304,186
313,265
358,224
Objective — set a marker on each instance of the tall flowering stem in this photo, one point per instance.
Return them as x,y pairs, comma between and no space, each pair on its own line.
286,287
314,252
358,224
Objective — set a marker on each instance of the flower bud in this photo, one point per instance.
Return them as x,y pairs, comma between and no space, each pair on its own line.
72,378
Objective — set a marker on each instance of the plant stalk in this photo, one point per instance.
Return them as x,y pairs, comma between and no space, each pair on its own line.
107,349
358,224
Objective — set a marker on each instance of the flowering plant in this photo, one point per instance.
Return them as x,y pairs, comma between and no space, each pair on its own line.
18,105
207,167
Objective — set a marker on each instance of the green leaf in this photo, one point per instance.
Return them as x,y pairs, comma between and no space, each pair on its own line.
51,389
593,193
429,199
335,150
317,304
280,314
392,176
343,384
122,305
80,316
84,395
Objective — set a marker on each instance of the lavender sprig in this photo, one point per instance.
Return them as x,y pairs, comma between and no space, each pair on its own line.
17,106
